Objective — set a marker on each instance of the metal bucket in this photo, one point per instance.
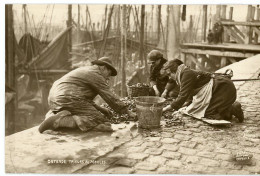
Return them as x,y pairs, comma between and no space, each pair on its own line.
149,111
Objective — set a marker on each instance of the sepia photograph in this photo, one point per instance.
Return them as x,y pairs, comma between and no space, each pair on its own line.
116,88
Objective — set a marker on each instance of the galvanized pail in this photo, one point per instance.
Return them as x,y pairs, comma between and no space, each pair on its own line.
149,111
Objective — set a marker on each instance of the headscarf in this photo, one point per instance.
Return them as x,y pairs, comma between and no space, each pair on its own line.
178,73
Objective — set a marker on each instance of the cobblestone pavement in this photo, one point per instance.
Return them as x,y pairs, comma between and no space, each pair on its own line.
195,148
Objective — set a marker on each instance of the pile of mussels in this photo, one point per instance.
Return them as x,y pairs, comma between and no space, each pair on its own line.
170,119
117,118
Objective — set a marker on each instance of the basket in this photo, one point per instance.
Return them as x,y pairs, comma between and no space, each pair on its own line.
134,91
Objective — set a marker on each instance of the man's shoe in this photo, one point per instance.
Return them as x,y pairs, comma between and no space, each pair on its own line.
237,111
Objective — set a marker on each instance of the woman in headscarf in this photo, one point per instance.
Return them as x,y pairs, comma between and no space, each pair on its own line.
159,80
213,96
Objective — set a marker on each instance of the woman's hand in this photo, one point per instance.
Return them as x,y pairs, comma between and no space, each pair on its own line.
157,93
167,108
132,115
164,94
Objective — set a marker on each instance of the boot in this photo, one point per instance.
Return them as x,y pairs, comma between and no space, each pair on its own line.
49,124
52,121
237,111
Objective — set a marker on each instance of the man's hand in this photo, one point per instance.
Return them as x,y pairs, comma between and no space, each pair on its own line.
164,94
167,108
132,115
107,113
103,110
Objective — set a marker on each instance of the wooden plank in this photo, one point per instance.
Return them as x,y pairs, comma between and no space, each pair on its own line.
223,11
238,31
253,23
258,14
44,94
249,9
217,16
257,33
223,62
183,58
215,60
204,23
230,17
257,18
216,122
224,46
195,62
232,60
250,34
209,62
256,38
249,29
234,35
218,53
256,30
252,14
231,13
210,121
188,61
203,63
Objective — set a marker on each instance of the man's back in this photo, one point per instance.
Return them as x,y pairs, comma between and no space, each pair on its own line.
77,84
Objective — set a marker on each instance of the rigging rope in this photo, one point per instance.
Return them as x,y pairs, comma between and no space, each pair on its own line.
30,25
91,34
34,26
40,24
43,22
46,36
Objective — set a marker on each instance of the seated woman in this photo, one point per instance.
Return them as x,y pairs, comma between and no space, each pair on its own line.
213,97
